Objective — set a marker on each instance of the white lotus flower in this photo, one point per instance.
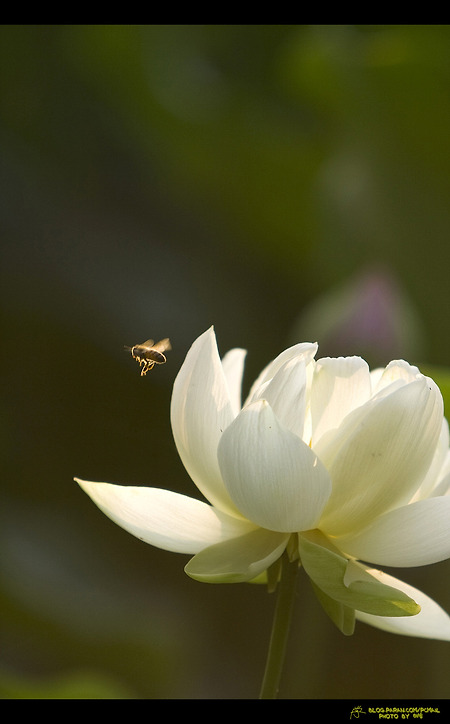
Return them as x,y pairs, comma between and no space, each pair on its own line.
326,459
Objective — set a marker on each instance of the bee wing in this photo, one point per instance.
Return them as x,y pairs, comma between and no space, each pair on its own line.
163,345
148,343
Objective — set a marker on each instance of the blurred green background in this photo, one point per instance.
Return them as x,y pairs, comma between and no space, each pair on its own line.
282,182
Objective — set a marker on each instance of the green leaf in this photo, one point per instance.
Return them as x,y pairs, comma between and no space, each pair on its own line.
348,583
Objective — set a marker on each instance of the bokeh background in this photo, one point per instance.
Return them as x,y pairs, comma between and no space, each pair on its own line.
282,182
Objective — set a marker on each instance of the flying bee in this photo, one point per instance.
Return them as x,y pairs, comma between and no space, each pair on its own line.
149,354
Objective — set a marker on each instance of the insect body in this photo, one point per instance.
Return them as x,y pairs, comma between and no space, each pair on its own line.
149,354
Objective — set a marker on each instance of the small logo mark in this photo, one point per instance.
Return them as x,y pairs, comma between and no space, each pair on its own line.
356,711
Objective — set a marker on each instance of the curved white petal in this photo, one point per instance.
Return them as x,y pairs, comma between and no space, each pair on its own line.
163,518
437,469
233,367
398,372
432,622
339,386
200,410
286,394
380,454
443,487
274,478
305,350
413,535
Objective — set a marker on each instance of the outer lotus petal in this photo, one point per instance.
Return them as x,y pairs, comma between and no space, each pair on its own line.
413,535
200,410
349,583
380,454
339,386
431,623
342,616
238,560
164,519
305,350
233,367
274,478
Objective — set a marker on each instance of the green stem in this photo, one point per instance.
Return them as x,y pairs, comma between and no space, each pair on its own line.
280,628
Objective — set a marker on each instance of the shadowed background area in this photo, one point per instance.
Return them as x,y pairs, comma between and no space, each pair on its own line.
284,183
